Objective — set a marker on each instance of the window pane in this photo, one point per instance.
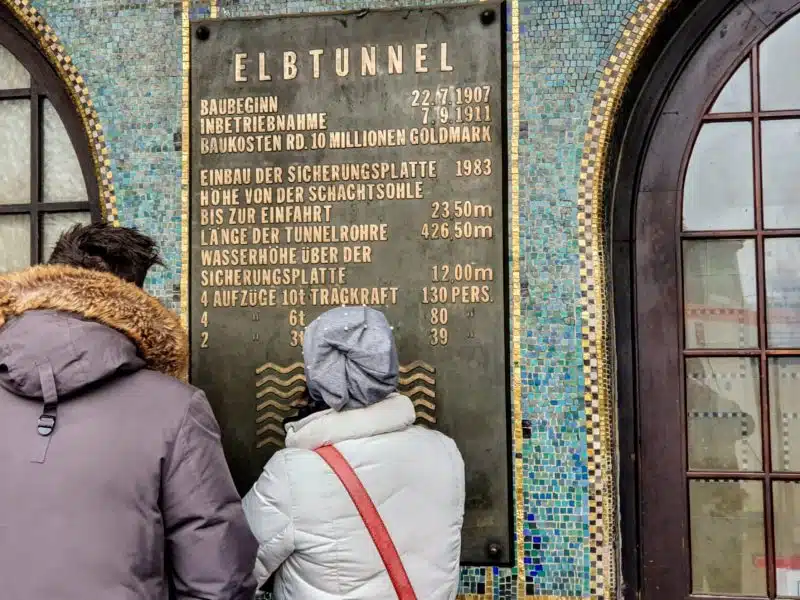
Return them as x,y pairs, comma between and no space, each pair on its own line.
723,414
782,271
54,224
12,74
735,96
15,148
718,191
719,287
727,536
786,503
62,179
784,406
780,151
15,242
780,68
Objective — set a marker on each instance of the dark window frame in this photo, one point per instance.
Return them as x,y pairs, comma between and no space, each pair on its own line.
45,84
695,49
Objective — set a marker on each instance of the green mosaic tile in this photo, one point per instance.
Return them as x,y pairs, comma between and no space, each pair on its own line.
130,56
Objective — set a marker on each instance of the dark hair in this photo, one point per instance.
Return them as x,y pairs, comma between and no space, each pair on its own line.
124,252
307,407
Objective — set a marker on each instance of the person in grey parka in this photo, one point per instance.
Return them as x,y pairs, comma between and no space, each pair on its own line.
311,536
113,484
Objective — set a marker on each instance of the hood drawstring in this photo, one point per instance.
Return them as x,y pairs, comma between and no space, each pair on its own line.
47,420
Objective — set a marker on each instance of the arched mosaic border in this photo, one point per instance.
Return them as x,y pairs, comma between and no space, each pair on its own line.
596,330
61,61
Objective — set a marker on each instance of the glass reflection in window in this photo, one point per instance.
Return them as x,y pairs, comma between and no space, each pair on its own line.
782,271
779,58
719,285
62,179
718,190
15,148
727,533
13,75
15,242
735,97
723,414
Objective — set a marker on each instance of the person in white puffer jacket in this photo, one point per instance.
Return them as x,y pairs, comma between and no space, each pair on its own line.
312,539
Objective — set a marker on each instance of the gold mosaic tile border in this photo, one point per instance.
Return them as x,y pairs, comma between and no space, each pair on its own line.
596,325
185,138
76,86
516,309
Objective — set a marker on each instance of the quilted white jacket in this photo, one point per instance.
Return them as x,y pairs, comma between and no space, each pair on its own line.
310,532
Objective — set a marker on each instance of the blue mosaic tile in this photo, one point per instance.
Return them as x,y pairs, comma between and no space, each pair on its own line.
129,53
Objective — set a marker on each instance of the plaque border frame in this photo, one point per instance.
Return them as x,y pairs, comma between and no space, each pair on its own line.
513,545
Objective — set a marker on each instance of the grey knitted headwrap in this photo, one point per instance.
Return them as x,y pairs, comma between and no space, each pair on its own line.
350,358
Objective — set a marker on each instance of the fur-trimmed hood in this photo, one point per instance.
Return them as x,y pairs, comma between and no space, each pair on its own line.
105,299
106,465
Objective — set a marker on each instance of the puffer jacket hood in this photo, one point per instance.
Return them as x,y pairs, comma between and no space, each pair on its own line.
109,463
79,352
311,535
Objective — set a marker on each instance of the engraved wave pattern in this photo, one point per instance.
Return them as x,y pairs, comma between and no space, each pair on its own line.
418,381
281,390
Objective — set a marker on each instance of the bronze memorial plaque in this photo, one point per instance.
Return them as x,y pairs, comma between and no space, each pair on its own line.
356,159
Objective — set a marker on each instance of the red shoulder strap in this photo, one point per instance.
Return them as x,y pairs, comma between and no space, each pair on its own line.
369,514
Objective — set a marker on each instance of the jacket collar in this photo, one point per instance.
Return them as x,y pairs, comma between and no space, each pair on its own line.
106,299
395,413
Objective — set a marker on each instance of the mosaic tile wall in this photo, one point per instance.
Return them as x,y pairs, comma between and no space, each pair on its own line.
569,58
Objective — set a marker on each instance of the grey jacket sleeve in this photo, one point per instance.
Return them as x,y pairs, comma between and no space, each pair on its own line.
268,507
210,547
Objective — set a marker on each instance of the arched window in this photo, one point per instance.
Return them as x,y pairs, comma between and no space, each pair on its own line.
741,283
717,317
47,179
